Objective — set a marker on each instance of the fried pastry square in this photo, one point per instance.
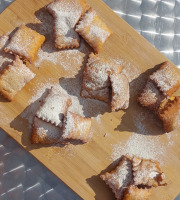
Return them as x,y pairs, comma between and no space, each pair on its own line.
96,81
120,178
25,42
135,193
45,132
167,78
76,127
147,172
170,114
151,97
54,107
120,91
66,14
14,77
93,30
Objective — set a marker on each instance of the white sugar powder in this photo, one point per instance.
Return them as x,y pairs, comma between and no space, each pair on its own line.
63,57
97,32
144,146
81,106
5,58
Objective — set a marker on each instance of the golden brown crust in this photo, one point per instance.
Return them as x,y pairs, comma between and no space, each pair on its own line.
76,127
169,113
96,81
46,133
147,172
93,30
25,42
135,193
120,178
166,78
66,14
13,78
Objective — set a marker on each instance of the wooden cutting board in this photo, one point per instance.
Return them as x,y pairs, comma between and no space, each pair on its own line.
79,166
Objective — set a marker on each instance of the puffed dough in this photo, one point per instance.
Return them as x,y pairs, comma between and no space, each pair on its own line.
66,14
76,127
46,133
93,30
25,42
120,178
13,78
135,193
54,107
147,172
120,92
151,97
166,78
169,113
96,81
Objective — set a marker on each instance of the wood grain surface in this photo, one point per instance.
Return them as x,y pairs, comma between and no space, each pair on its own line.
80,166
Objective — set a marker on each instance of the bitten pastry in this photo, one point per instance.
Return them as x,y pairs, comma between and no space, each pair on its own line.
120,92
66,14
93,30
169,113
13,78
54,107
46,133
135,193
120,178
134,178
151,97
25,42
96,81
76,127
166,78
147,172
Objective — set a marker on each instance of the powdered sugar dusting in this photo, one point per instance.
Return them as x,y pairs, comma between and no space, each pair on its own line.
62,58
66,15
166,77
69,86
96,31
5,58
69,125
86,20
131,71
54,107
143,146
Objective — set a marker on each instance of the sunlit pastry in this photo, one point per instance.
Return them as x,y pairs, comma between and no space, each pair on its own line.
96,81
169,113
66,14
147,172
25,42
120,178
93,30
13,78
135,193
76,127
54,107
120,91
167,78
46,133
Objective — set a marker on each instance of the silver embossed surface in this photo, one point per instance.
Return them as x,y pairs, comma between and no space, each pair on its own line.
21,175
